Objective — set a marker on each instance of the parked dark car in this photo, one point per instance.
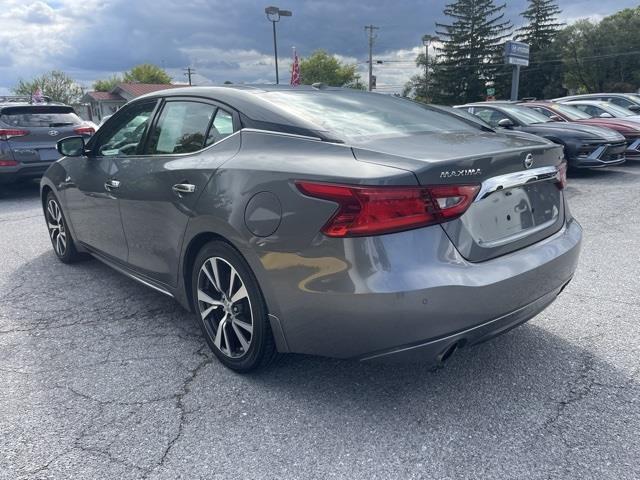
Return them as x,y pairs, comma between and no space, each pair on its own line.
319,220
28,136
585,146
626,100
566,112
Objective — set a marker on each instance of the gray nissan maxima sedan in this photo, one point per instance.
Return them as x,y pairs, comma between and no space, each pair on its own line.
319,220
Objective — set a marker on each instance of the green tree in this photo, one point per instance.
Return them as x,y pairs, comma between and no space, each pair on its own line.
56,84
147,73
471,49
543,77
107,84
322,67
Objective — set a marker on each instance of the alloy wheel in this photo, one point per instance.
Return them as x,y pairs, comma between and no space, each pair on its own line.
55,224
225,307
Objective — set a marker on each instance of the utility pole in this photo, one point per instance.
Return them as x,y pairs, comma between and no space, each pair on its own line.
371,31
426,41
188,72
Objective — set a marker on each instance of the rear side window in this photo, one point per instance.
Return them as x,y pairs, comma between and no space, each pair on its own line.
39,116
222,127
182,128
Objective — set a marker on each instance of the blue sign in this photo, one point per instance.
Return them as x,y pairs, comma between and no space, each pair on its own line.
516,53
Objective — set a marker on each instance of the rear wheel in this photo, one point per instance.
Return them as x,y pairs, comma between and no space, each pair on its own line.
231,309
59,233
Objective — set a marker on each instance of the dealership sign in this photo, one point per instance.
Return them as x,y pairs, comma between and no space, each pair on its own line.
516,53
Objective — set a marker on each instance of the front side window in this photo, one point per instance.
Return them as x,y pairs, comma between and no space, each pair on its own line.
621,101
489,115
570,112
182,128
544,111
125,135
525,116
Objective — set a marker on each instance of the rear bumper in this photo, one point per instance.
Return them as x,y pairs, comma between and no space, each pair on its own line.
435,351
23,171
410,294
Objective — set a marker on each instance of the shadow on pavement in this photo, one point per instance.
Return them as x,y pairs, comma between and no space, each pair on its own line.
14,191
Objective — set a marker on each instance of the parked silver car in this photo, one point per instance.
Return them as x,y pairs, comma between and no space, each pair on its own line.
319,220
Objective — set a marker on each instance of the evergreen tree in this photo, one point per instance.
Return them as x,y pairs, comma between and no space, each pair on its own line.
542,78
471,50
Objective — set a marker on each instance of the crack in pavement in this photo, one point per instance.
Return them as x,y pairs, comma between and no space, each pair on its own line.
186,388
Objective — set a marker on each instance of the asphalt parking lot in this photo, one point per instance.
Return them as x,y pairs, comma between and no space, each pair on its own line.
103,378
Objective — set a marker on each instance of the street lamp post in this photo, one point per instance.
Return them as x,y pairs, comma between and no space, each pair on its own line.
273,15
426,41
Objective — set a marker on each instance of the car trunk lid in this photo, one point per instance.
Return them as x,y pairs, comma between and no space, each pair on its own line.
524,204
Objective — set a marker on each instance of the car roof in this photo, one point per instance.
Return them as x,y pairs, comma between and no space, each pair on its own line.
591,95
589,102
251,101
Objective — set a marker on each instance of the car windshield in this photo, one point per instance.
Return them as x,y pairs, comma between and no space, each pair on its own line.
617,110
39,116
572,113
525,115
359,116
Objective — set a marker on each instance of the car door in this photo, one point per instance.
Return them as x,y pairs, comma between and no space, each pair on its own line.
159,188
92,197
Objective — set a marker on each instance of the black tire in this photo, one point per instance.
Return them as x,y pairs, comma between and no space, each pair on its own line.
261,347
68,254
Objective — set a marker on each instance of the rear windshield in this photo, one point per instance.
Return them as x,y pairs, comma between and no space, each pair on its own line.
360,116
49,116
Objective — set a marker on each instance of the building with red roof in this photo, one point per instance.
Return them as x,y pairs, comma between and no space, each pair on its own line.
103,104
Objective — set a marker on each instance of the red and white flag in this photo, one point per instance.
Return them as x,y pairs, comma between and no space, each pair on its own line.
295,70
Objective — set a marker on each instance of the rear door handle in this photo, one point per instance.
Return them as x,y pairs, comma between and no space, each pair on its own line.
112,184
182,188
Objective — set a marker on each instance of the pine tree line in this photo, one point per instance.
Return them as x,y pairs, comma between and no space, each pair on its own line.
581,57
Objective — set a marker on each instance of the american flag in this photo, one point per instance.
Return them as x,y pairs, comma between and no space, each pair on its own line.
295,70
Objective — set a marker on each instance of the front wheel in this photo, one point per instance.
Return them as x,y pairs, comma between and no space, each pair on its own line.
231,309
61,239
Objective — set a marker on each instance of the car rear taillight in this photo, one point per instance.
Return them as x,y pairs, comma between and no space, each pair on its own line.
366,211
84,130
561,176
8,163
7,133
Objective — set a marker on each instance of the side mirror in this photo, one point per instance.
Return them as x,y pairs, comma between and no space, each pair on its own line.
634,108
506,123
71,146
605,115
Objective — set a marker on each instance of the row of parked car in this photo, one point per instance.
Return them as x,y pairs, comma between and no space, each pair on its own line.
596,130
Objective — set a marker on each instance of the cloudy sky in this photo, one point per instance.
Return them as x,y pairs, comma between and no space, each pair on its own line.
222,40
